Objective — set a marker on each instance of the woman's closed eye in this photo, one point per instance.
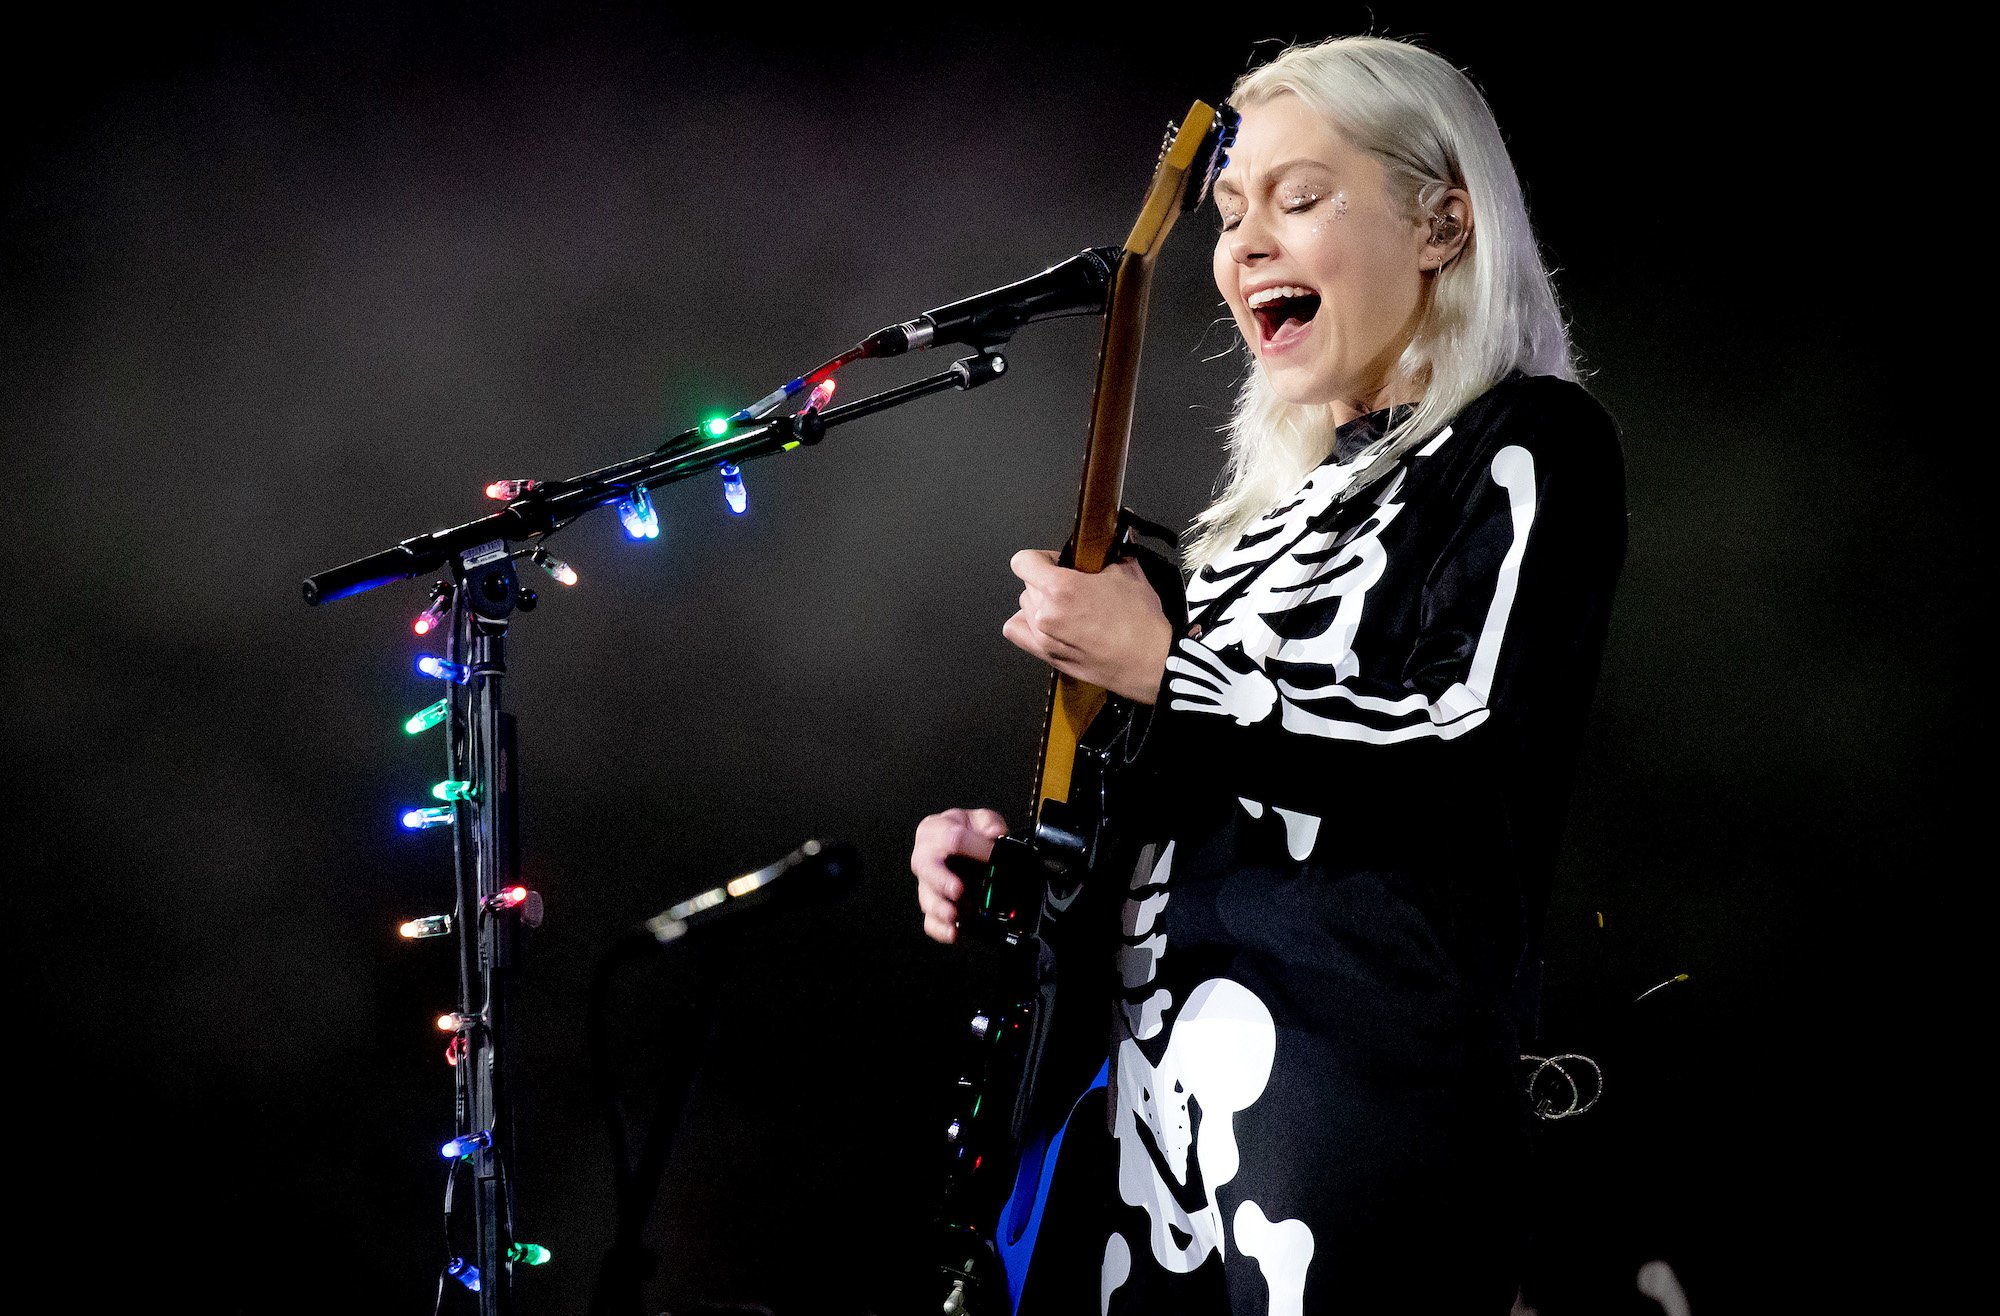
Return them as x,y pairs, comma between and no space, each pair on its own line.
1295,204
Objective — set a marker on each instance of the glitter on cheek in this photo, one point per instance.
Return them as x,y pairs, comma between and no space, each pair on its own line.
1334,210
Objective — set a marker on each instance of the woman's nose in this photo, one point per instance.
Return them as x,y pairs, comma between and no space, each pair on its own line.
1250,241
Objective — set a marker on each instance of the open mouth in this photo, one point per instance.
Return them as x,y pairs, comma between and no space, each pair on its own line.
1283,313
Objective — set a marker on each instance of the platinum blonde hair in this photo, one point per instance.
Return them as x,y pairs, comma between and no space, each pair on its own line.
1490,310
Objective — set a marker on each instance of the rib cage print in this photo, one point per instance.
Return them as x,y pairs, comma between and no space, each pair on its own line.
1289,601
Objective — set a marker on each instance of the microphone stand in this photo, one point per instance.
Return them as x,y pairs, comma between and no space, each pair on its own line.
482,763
547,509
479,742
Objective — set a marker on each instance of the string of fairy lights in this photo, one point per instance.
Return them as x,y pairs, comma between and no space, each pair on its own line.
640,518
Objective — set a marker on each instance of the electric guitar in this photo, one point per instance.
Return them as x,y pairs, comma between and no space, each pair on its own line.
1051,895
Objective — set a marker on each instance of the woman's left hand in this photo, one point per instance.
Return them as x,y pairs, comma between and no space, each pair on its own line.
1106,629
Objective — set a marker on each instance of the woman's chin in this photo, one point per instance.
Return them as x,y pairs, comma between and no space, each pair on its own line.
1298,387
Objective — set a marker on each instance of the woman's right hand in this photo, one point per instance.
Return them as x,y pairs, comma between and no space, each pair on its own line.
968,832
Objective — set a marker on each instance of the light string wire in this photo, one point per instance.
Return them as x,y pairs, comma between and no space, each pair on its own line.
1544,1106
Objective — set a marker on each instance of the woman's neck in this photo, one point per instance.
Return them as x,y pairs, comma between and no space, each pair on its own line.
1387,395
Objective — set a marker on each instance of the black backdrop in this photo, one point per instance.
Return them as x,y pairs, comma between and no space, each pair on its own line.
284,288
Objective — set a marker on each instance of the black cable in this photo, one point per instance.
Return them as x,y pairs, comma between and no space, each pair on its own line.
450,1252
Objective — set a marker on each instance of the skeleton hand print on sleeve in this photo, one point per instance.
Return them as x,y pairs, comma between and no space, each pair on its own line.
1208,682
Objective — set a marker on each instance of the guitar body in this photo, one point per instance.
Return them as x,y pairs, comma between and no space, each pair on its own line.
1034,1056
1033,1059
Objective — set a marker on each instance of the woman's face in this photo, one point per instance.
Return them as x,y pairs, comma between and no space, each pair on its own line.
1319,264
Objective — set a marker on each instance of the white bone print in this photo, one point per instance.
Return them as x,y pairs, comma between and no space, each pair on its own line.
1175,1121
1221,672
1282,1250
1139,954
1115,1269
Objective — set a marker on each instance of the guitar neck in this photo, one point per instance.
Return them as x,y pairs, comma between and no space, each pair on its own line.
1195,146
1103,489
1073,704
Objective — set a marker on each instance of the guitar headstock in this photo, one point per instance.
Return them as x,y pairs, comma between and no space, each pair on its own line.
1213,155
1194,152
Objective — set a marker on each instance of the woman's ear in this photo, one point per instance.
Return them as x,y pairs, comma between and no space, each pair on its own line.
1450,229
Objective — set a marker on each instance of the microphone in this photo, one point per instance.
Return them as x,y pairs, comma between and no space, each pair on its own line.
1078,286
814,866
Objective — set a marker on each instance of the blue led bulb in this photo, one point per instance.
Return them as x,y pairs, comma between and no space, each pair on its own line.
733,491
418,820
638,516
464,1272
439,669
466,1145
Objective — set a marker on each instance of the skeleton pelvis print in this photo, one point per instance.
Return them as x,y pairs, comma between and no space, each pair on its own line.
1174,1119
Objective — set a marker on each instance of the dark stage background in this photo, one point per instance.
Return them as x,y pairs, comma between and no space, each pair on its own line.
283,288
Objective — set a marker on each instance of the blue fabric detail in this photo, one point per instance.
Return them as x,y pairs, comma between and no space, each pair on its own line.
1021,1218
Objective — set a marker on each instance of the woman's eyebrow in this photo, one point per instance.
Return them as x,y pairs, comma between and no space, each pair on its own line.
1225,185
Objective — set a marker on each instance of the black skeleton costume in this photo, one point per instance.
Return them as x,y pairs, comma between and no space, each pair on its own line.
1365,737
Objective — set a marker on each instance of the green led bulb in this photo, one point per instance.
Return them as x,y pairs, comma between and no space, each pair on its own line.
452,790
716,426
528,1254
428,718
